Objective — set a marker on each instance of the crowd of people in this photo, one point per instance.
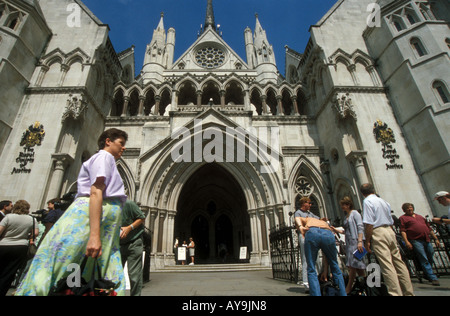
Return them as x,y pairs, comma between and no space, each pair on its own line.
101,224
371,232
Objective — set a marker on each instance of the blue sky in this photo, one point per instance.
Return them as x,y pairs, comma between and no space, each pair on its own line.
286,22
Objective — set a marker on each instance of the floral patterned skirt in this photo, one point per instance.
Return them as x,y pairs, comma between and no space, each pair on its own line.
66,243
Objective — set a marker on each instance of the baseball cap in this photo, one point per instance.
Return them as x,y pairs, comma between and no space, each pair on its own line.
440,194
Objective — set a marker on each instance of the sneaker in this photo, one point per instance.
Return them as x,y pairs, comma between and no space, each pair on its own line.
191,264
435,283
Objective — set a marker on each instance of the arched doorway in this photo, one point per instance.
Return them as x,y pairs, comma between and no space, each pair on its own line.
212,209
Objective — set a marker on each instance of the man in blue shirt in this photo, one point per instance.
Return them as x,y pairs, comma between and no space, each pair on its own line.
380,238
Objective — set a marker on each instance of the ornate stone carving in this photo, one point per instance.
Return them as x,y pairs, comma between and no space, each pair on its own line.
344,106
75,108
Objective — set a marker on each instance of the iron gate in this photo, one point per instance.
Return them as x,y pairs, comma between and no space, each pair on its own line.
285,253
286,257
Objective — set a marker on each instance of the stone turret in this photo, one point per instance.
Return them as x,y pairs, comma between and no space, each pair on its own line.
260,54
160,53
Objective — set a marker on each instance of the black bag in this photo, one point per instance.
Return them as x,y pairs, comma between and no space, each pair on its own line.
97,286
329,288
32,248
359,288
377,291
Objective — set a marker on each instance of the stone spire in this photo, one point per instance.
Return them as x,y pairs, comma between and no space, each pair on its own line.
209,20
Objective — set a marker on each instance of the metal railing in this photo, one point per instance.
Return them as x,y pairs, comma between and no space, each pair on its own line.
285,253
286,257
441,257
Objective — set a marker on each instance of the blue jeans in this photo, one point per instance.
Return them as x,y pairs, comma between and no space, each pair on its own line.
424,253
316,239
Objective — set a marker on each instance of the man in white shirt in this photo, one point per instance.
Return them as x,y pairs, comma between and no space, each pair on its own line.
443,197
380,238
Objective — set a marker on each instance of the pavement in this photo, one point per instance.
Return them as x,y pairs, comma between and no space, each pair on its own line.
248,283
195,282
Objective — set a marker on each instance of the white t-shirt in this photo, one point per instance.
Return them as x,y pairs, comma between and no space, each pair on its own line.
17,229
102,164
376,212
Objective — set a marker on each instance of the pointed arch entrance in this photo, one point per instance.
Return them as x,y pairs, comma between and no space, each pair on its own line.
212,209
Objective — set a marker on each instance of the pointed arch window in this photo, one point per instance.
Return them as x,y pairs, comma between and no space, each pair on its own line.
418,47
411,19
441,91
398,23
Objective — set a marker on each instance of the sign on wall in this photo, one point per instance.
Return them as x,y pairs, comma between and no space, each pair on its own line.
32,137
385,135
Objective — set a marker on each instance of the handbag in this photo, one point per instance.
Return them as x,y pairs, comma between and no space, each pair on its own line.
97,286
32,248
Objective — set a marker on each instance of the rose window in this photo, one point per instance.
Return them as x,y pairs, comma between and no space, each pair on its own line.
303,187
210,57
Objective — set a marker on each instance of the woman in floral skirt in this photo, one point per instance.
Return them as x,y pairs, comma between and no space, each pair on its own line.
89,227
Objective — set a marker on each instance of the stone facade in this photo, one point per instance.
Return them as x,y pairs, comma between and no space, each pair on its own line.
220,148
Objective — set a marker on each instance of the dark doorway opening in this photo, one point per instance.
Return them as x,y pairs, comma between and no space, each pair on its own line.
213,211
200,234
224,239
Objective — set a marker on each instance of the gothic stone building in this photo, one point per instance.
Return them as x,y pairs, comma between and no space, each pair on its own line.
221,146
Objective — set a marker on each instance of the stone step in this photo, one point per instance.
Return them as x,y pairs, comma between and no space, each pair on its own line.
214,268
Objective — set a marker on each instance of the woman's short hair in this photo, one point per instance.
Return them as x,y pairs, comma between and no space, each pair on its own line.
112,134
346,201
21,207
302,201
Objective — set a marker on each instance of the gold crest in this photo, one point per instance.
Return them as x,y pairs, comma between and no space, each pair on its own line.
33,136
383,133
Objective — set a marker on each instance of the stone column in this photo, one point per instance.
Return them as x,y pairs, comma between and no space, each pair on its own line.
222,98
272,221
169,230
356,158
162,217
141,105
264,104
352,70
61,162
295,104
199,98
125,106
157,102
42,72
64,69
373,74
280,105
280,211
262,217
254,255
254,234
151,226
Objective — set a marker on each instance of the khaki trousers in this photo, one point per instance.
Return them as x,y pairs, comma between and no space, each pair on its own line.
394,270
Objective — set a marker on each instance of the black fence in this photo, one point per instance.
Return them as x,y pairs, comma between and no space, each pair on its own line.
285,253
286,256
441,257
